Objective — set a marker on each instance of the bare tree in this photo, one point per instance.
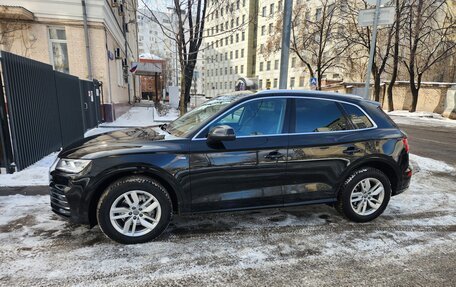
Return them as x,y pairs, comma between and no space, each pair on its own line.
188,32
430,32
316,37
360,37
397,28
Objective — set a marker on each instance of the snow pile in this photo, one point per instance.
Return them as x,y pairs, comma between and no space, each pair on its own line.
424,164
421,118
36,174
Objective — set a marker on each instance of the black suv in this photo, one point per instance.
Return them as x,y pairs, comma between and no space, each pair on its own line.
235,152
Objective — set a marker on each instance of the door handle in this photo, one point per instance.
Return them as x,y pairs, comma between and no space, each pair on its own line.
275,155
86,106
351,150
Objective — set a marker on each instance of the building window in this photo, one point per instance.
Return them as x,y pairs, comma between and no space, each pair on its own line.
318,14
270,28
242,69
268,65
231,55
237,54
263,30
243,36
260,84
271,9
276,64
292,82
237,21
59,49
237,38
242,53
293,62
243,19
301,81
275,83
263,13
261,66
279,6
236,69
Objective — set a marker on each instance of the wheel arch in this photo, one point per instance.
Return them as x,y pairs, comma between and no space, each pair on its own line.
382,164
110,177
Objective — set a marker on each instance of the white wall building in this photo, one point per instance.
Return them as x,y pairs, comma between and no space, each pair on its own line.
52,32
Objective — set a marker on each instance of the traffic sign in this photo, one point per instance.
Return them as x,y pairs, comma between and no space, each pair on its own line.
313,81
385,17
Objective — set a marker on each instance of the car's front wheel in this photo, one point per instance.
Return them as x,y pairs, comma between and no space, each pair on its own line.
134,209
364,195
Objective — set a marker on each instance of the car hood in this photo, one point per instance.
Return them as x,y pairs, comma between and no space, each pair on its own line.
118,142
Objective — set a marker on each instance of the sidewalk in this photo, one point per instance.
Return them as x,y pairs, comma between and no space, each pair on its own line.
34,180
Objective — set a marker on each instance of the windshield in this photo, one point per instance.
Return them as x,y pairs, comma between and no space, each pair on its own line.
193,119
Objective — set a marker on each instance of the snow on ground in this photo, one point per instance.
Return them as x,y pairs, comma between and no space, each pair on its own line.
37,174
421,118
412,243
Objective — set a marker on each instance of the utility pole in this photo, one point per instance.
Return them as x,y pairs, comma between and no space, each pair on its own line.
285,51
372,48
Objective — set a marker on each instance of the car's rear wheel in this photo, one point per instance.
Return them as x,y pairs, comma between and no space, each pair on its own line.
364,195
134,209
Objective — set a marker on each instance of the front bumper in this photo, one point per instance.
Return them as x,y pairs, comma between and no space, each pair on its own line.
67,195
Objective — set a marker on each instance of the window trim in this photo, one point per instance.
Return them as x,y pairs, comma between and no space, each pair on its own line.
290,115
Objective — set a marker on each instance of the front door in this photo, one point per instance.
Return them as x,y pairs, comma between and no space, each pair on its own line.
249,171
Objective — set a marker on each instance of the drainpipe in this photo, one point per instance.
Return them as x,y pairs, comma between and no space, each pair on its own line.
86,35
126,53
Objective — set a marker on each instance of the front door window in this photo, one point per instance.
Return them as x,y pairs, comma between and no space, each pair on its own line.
257,117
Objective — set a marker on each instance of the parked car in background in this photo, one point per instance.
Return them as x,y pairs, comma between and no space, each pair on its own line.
238,151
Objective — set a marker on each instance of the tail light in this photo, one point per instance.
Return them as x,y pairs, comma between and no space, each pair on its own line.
406,144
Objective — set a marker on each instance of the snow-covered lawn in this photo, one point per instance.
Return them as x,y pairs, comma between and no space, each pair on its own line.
37,174
421,118
412,244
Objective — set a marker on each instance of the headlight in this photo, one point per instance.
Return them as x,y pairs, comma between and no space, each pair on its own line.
72,165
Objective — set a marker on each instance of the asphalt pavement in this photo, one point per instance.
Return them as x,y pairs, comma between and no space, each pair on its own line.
433,142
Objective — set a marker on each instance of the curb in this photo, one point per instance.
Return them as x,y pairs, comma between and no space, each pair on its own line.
24,190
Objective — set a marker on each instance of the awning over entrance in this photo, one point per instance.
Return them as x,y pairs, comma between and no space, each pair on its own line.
147,69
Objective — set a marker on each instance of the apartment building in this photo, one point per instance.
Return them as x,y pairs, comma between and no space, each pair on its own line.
230,45
53,32
230,57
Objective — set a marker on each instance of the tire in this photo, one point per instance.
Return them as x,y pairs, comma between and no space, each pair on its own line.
146,215
354,195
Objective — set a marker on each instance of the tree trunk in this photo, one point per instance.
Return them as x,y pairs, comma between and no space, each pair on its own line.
395,57
182,103
377,87
414,90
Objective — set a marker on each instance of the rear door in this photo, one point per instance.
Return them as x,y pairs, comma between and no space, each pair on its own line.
321,146
249,171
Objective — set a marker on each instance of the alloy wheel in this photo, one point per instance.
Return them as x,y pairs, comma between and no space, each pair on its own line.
367,196
135,213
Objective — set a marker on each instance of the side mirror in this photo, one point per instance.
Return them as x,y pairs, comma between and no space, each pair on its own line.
221,133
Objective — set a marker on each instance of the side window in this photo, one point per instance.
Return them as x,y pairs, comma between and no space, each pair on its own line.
257,117
358,118
318,116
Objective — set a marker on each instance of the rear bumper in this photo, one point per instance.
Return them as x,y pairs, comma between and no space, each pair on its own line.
405,181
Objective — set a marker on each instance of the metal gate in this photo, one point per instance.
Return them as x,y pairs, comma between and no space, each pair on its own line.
43,109
70,108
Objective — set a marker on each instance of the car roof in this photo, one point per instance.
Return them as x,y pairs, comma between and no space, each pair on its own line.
238,95
311,93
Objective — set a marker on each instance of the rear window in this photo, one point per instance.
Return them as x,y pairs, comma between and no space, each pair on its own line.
314,115
357,117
